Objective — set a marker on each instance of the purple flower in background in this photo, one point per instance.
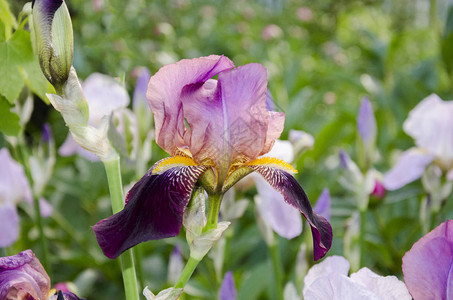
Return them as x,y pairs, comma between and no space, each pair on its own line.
329,280
322,206
141,86
227,289
104,95
430,124
175,265
379,190
14,187
218,128
366,122
23,277
428,266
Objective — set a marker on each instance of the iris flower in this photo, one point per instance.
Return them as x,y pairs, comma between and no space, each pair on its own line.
216,132
14,187
431,125
428,266
329,280
23,277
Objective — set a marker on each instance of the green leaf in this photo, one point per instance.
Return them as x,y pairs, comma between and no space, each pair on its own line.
13,53
9,122
7,18
254,283
447,42
35,80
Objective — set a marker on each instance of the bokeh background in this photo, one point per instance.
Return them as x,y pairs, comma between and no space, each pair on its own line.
322,58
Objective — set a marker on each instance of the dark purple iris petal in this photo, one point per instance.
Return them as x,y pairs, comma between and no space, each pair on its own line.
294,195
48,7
67,296
154,210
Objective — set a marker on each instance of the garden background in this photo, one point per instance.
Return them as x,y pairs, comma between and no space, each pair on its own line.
322,59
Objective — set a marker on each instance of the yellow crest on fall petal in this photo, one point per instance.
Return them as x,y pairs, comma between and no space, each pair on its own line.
172,162
273,162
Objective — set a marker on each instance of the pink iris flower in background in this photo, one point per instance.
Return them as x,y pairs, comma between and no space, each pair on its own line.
14,187
430,124
216,132
23,277
428,266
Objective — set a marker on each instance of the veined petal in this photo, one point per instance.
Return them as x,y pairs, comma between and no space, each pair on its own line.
278,175
229,118
164,90
284,219
22,276
410,166
428,266
154,207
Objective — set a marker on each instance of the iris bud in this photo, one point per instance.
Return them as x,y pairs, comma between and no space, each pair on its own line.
54,39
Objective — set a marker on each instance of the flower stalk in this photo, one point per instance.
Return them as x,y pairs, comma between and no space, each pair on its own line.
277,265
112,168
213,213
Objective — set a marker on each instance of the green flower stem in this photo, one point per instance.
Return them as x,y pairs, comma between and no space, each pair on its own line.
191,264
362,233
277,265
213,213
3,252
112,167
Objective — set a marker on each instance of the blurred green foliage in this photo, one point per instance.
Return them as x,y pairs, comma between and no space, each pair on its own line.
322,57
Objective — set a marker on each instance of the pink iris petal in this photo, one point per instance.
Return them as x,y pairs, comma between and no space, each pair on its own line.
428,266
229,118
283,218
21,276
9,225
294,195
154,210
227,289
216,120
410,166
430,123
164,91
